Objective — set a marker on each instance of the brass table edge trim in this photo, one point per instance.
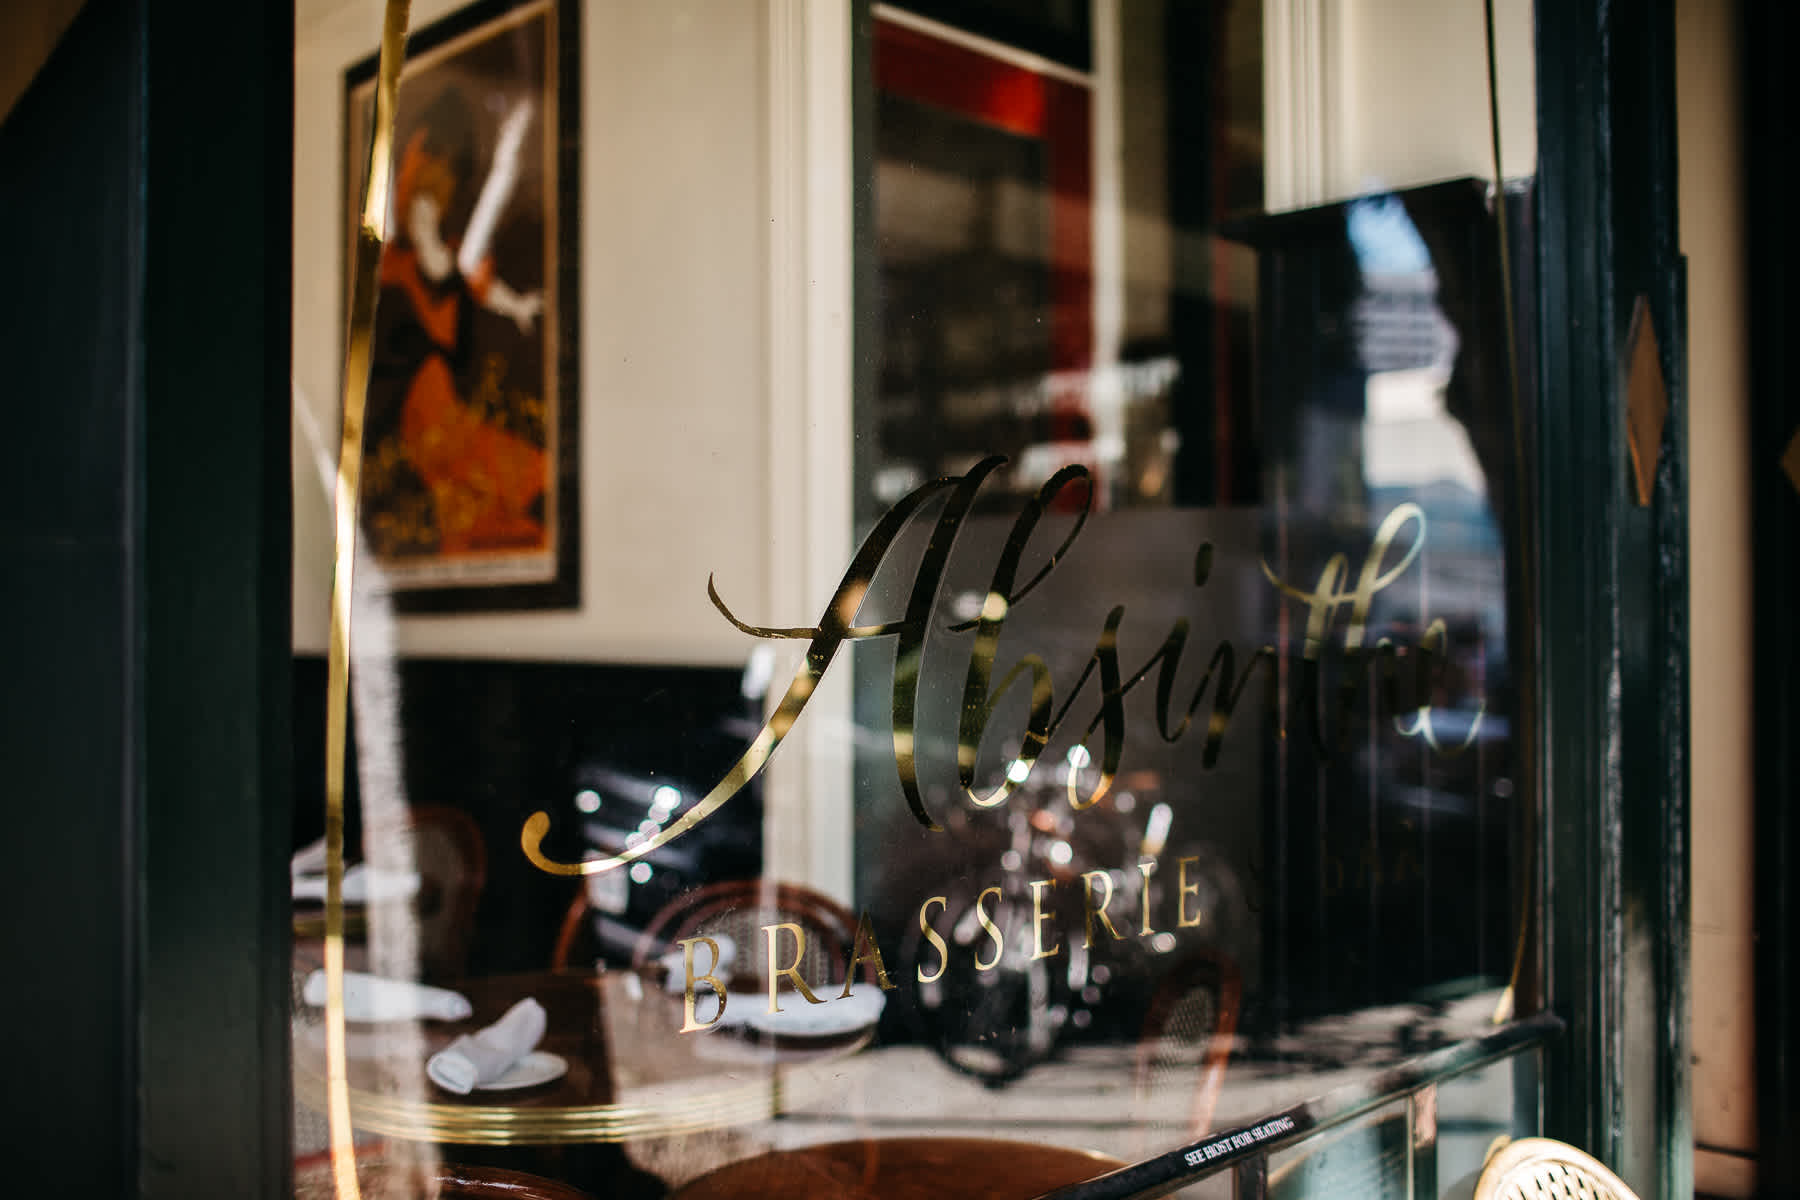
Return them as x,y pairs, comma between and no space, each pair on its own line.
496,1124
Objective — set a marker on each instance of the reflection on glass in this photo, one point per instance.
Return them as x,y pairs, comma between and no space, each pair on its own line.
1370,1157
1144,763
1476,1110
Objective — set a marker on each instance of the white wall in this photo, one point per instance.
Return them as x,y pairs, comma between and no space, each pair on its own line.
674,333
1710,199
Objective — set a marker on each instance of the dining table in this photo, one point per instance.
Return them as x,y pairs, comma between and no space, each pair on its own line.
630,1071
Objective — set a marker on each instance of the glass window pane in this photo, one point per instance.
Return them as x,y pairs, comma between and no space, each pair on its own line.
1476,1109
1368,1157
938,586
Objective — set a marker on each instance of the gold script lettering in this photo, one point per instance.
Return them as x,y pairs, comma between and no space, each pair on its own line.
981,694
833,630
979,698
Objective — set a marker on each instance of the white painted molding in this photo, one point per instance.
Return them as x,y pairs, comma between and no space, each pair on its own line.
1106,397
807,794
1297,82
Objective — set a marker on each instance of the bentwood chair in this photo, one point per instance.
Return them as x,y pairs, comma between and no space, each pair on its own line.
1545,1169
738,909
445,846
742,909
1186,1038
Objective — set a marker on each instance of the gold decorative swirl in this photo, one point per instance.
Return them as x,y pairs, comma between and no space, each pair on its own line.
836,626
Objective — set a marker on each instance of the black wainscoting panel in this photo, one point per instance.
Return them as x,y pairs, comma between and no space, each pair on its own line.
500,740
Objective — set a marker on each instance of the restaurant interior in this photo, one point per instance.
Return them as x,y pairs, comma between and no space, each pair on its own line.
770,746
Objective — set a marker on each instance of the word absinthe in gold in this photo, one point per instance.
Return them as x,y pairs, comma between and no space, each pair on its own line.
1405,675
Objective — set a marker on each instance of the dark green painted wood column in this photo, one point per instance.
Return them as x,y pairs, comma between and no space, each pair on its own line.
215,566
144,201
1612,585
69,214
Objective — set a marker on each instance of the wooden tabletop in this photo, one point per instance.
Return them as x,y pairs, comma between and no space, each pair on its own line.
914,1168
631,1072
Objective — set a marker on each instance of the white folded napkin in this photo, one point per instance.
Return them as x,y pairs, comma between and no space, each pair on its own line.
373,998
309,859
484,1056
363,884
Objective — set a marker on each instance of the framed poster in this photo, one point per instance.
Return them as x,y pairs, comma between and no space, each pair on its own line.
470,475
983,228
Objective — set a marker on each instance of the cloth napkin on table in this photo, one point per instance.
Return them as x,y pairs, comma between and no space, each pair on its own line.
363,884
486,1055
373,998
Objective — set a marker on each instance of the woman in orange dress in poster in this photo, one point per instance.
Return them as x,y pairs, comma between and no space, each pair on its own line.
486,484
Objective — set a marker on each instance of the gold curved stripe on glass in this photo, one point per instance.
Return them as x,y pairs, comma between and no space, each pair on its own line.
371,233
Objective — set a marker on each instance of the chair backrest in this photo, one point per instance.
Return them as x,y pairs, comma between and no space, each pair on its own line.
444,845
593,931
569,935
1185,1040
740,909
1546,1169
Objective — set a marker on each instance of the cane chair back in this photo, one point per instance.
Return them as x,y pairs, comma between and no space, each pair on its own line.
742,909
1186,1040
1545,1169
